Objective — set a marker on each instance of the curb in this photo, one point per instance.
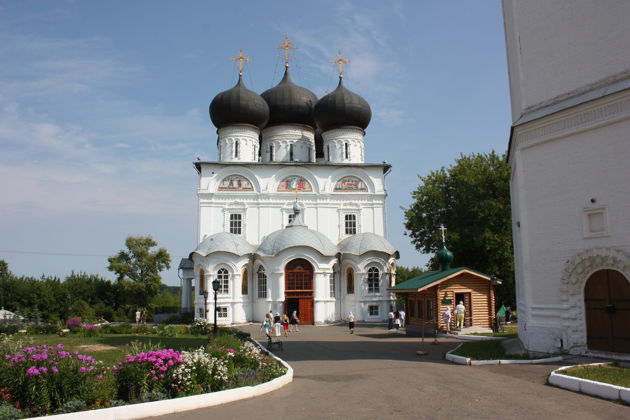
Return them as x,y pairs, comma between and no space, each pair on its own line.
586,386
178,405
477,337
461,360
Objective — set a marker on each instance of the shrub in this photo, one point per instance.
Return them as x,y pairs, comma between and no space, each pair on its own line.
146,372
200,327
200,372
90,330
9,328
120,329
166,331
9,412
44,378
185,318
153,396
143,329
72,406
74,323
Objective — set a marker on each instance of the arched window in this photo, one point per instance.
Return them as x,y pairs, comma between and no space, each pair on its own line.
350,281
373,278
236,149
347,147
202,281
271,153
290,153
223,277
262,282
244,282
328,153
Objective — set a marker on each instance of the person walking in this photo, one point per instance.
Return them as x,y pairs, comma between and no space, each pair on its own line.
447,318
285,325
397,320
294,322
461,311
277,323
138,318
351,322
390,319
402,318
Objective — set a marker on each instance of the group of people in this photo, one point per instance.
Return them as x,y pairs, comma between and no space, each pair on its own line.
141,318
278,323
395,319
460,312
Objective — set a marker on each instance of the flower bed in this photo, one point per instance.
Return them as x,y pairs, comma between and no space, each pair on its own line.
47,379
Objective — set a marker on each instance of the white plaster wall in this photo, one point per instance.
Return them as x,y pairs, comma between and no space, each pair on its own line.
302,138
557,47
266,210
554,180
335,145
248,143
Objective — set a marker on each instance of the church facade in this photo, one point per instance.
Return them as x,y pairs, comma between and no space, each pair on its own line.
290,217
569,152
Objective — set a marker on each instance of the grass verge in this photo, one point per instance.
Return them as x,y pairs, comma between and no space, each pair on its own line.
609,374
507,331
485,350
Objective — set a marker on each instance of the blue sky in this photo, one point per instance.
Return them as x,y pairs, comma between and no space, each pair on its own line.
104,106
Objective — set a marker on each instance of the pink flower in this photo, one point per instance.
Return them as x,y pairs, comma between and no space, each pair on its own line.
54,369
32,371
155,378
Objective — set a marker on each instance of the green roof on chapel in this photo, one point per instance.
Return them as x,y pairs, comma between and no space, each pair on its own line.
431,277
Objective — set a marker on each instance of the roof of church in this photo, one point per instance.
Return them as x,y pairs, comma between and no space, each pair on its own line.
361,243
289,103
239,105
432,278
223,242
340,108
296,236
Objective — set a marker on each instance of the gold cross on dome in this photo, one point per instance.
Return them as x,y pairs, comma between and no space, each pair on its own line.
443,229
241,58
340,62
286,45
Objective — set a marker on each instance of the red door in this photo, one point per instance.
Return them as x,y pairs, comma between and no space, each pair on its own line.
298,285
607,305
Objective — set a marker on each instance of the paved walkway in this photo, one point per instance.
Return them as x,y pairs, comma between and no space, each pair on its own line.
375,375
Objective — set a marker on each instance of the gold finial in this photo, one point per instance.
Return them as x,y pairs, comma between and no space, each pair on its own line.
340,62
286,45
241,58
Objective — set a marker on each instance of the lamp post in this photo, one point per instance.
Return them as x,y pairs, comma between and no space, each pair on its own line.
205,308
215,287
495,282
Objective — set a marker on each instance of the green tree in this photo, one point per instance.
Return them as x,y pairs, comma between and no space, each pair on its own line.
404,273
472,199
138,269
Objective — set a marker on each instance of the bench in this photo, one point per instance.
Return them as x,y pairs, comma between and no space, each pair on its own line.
273,342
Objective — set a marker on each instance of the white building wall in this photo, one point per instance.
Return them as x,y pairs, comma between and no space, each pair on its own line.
561,47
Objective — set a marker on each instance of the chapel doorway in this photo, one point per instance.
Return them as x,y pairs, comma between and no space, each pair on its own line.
298,290
465,297
607,305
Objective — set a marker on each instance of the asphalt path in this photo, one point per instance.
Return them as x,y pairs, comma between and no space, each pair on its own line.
373,374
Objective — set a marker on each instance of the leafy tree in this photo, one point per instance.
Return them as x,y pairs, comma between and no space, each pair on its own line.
138,269
472,199
404,273
4,268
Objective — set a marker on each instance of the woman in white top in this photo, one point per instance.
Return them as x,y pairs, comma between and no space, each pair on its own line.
351,322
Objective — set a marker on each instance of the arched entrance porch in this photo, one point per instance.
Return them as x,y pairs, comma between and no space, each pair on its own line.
607,306
298,289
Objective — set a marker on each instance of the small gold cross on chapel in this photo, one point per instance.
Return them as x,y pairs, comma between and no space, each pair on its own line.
241,59
340,62
286,45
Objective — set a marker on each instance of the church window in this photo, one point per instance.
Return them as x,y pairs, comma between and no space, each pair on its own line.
236,223
222,312
350,224
373,280
223,277
290,153
331,279
200,312
262,283
420,309
202,282
350,281
271,153
429,310
291,218
244,282
347,147
373,310
328,153
236,149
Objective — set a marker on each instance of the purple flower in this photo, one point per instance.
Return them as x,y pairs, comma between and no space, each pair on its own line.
99,377
32,371
82,369
155,378
54,369
43,369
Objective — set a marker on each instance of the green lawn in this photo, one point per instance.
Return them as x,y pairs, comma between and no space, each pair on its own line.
485,350
610,374
507,331
111,348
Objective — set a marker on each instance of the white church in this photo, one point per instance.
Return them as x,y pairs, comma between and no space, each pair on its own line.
290,216
569,65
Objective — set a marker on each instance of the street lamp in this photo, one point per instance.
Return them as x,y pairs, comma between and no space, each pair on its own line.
205,309
215,287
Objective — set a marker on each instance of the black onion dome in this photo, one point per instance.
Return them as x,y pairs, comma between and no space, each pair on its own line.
239,105
341,108
289,103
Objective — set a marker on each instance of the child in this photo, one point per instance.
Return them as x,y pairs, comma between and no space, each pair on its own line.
285,325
